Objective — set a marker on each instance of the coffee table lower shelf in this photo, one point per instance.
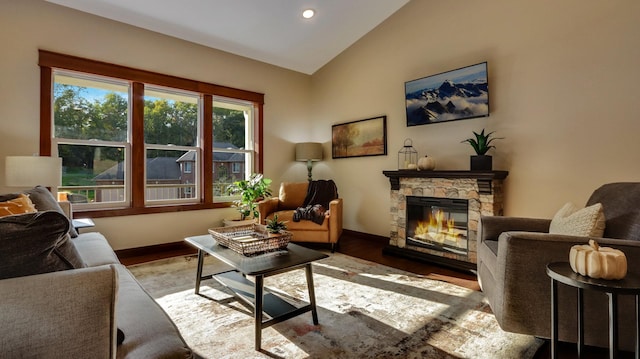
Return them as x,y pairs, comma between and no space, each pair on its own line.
273,306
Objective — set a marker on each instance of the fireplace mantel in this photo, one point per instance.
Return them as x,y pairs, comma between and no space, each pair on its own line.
484,178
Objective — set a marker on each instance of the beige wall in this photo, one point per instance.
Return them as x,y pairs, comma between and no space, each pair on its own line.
563,78
29,25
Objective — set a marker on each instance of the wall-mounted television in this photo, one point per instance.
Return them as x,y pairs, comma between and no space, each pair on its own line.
453,95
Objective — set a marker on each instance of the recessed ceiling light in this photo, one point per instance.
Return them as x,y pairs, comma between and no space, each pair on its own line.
308,14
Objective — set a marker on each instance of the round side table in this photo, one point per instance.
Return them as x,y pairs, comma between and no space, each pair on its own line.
630,285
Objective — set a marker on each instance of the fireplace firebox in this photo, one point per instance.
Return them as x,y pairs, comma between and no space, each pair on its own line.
438,224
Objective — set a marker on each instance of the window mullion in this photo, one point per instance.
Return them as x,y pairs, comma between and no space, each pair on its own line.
137,145
206,178
257,138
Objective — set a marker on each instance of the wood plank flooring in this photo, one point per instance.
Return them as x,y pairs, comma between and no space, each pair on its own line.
370,248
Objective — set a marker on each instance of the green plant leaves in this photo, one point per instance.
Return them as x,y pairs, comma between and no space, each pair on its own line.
482,143
251,191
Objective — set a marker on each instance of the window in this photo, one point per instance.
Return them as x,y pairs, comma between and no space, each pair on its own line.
232,142
90,132
134,141
171,137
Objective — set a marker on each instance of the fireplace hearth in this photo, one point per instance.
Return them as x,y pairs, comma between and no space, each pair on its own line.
435,214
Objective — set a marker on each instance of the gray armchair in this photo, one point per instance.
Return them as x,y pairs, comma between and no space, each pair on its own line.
512,258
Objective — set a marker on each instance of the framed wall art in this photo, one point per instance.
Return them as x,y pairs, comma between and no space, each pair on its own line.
453,95
366,137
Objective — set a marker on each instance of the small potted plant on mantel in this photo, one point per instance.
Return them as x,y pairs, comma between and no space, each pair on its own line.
481,144
251,191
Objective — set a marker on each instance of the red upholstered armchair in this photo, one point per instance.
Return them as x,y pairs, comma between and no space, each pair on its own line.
292,197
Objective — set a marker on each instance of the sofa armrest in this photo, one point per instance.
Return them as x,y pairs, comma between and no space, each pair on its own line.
66,208
335,220
492,226
66,314
266,207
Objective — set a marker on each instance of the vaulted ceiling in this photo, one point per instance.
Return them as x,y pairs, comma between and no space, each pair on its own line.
271,31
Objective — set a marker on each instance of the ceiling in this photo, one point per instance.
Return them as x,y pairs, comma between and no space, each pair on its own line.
271,31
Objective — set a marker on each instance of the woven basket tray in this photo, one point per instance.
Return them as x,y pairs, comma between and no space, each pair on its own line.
251,239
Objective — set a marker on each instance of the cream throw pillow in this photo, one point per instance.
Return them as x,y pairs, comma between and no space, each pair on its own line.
585,222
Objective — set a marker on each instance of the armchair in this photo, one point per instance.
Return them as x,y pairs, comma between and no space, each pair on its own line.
292,195
512,258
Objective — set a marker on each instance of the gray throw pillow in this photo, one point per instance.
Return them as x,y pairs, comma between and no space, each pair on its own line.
43,200
35,243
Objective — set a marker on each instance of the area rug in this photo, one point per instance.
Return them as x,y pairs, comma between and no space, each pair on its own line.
365,310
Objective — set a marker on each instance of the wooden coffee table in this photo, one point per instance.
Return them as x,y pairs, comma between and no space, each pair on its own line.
259,267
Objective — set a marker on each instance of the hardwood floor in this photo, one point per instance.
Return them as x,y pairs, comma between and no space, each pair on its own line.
370,248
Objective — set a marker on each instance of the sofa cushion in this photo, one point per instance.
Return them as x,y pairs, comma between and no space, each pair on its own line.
43,200
94,249
21,204
149,332
35,243
585,222
292,194
305,225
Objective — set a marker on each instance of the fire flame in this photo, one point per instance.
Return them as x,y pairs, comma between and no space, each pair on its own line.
437,228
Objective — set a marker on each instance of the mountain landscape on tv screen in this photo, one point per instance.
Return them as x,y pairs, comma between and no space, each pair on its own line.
449,101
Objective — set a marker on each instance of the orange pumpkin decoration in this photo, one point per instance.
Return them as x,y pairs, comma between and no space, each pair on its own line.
598,262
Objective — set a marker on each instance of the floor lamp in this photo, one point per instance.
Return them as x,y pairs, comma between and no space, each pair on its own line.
309,152
31,171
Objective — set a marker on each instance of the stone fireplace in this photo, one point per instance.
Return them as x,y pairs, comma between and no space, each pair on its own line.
435,214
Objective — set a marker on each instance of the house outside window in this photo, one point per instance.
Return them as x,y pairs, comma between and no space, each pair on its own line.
128,145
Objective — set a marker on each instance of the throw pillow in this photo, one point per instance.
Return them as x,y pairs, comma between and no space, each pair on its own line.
35,243
585,222
43,200
21,204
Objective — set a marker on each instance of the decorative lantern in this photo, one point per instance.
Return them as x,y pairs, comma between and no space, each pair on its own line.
407,156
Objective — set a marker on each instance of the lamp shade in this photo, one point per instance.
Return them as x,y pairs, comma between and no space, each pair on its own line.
30,171
308,151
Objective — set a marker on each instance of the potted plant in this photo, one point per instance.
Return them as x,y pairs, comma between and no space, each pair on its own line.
275,226
251,191
481,144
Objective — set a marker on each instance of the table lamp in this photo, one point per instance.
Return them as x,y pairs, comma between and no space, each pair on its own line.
31,171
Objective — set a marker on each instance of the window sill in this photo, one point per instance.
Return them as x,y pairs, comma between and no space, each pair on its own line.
129,211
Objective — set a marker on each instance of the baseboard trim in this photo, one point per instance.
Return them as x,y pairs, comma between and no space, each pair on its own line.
367,236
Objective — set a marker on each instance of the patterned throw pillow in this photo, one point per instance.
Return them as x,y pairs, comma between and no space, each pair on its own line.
21,204
585,222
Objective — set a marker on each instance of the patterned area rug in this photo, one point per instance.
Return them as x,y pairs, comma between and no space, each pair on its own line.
366,310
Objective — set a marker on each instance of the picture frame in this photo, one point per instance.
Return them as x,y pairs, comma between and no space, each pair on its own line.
360,138
448,96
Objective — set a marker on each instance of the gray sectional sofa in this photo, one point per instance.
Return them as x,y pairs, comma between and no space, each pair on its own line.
89,306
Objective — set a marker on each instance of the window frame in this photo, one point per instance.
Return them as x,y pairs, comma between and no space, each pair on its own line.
48,61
